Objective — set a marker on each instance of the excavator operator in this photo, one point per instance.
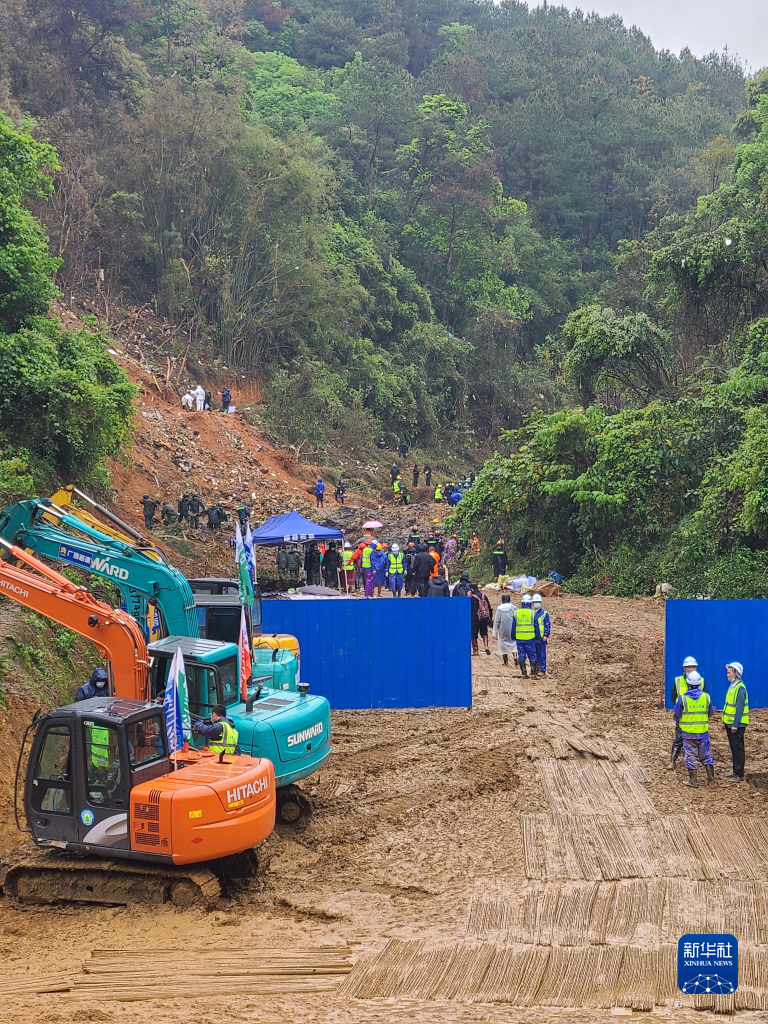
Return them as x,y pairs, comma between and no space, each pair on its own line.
220,732
102,762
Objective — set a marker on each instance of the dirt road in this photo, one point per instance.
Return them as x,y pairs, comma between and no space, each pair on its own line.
540,826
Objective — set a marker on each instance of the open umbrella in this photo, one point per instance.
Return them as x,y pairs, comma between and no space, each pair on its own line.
372,524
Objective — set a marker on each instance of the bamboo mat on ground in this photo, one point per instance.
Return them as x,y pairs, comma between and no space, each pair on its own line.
603,847
596,913
130,975
598,977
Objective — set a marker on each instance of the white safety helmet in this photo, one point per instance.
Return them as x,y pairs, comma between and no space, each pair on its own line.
737,667
526,599
347,545
537,599
690,662
395,548
693,679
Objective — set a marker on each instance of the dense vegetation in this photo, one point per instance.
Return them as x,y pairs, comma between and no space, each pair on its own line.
66,404
387,207
665,474
445,220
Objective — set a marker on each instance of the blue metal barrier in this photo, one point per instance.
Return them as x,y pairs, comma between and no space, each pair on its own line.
388,653
714,633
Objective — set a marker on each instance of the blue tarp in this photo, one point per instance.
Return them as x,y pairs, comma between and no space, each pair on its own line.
384,653
714,633
293,528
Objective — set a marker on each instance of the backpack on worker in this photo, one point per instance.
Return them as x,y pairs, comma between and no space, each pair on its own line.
484,612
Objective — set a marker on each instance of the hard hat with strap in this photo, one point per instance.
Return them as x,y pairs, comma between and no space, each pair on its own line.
228,740
729,709
695,716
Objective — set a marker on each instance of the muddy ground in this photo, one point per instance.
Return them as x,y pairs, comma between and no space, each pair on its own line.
417,815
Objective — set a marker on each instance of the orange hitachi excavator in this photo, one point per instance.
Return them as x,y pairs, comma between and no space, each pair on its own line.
101,780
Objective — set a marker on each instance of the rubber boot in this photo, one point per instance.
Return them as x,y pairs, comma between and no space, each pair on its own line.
692,778
534,668
523,670
505,659
673,757
487,649
710,773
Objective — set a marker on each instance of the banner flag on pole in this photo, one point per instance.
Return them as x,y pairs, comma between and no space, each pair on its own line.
249,554
243,573
178,725
244,650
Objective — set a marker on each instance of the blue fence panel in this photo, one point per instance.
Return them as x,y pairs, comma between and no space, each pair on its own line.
714,633
383,653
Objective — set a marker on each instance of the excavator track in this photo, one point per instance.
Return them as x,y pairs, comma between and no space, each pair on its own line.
33,875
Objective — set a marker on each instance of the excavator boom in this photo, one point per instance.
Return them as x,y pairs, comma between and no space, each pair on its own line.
63,499
140,576
117,636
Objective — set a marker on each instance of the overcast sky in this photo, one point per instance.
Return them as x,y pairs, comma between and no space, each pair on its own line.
702,25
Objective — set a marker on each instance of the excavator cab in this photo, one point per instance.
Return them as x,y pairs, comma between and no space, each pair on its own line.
210,667
85,760
290,727
218,618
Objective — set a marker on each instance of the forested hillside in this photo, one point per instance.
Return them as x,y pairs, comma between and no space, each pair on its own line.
663,472
385,208
447,221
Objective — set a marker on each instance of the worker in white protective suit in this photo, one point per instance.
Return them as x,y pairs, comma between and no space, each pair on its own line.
199,394
187,402
503,630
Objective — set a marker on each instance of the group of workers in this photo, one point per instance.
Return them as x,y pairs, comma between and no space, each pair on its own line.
339,493
692,713
452,493
188,510
416,569
523,633
199,399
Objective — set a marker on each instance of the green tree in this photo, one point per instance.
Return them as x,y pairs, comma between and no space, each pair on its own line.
376,109
452,204
625,354
66,403
284,93
328,40
26,268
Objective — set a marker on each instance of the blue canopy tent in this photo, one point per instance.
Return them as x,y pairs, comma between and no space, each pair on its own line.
293,528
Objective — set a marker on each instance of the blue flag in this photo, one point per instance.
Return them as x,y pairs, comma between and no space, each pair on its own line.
250,556
178,725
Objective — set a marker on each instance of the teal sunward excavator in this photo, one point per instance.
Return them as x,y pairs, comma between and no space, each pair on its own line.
280,720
